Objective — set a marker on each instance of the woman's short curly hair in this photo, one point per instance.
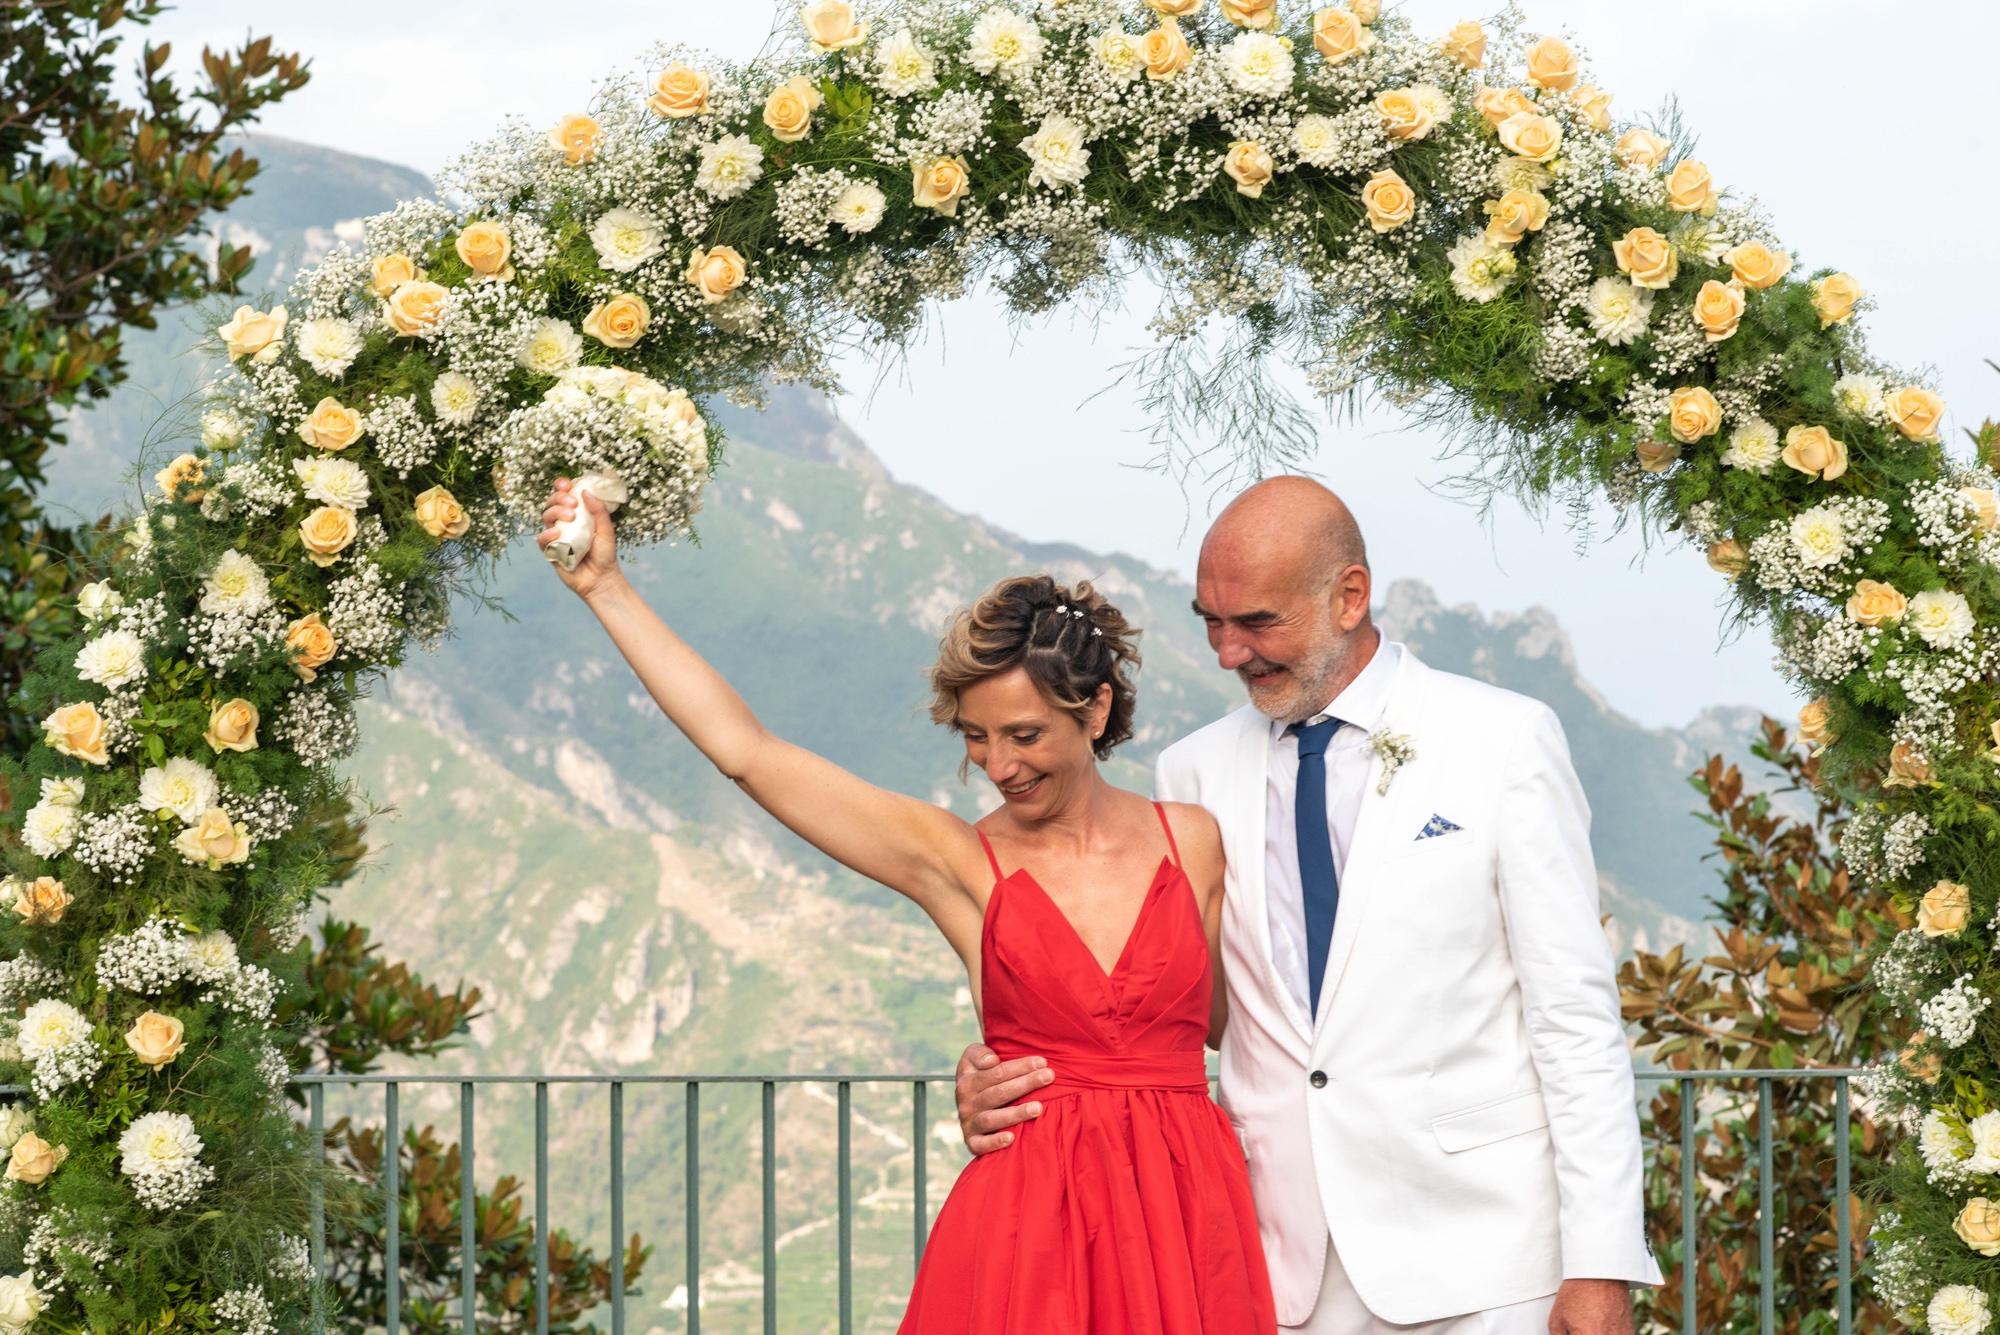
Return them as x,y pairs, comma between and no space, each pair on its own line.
1069,641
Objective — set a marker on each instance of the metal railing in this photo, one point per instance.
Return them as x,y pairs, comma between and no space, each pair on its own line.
316,1087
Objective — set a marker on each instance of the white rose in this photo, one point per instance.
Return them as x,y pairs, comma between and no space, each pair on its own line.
1941,618
1754,447
859,208
1004,43
95,602
51,1026
50,828
20,1302
182,786
329,346
15,1122
905,66
333,481
112,660
1819,537
1057,153
1258,64
624,240
222,429
159,1142
1985,1133
237,584
1958,1309
1618,309
552,347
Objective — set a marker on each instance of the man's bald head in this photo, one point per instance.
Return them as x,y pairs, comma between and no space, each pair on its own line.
1293,524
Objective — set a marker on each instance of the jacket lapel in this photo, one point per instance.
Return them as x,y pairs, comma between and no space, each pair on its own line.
1253,776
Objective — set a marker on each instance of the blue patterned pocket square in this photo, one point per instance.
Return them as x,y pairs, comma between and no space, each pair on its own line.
1436,826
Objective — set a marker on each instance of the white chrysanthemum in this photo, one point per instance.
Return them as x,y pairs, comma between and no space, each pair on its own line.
1941,618
1753,447
1619,310
222,429
859,208
904,66
1480,271
1985,1133
1939,1143
237,584
1058,154
182,786
1258,64
1958,1309
729,166
50,828
1435,101
63,792
16,1120
1859,394
114,659
1819,537
1522,174
552,347
1316,139
455,399
1004,43
51,1026
329,346
1118,51
95,602
159,1143
340,482
625,239
213,954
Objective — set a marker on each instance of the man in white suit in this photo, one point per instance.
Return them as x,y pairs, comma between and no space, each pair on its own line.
1424,1057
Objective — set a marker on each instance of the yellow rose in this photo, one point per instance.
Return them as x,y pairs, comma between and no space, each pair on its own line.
331,427
1595,106
326,533
1388,200
830,26
1500,105
1174,9
1834,297
415,308
390,272
253,333
1917,413
441,515
1693,414
1648,257
156,1039
1466,43
1690,188
1908,767
1249,165
1403,117
576,137
1876,604
1925,1066
1978,1226
1642,148
1944,909
1514,215
1657,456
185,479
77,730
940,184
1337,35
1813,724
715,273
214,840
1552,65
1754,264
1164,50
679,92
33,1159
1365,10
1718,309
312,645
232,726
1536,138
485,247
1984,505
789,109
42,900
1813,451
1728,557
619,322
1249,13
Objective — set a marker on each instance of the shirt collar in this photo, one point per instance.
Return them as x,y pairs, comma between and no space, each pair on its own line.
1366,698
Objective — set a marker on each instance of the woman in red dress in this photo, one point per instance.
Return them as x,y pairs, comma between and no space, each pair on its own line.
1088,920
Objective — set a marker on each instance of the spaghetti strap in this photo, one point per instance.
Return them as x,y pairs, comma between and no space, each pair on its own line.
995,862
1161,812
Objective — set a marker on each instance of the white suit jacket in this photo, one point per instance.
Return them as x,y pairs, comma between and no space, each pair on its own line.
1476,1139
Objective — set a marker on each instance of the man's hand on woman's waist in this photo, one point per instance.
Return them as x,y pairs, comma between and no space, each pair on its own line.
988,1094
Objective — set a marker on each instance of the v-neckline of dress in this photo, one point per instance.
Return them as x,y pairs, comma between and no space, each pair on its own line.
1162,877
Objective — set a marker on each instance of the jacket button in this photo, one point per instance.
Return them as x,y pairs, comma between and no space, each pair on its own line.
1318,1079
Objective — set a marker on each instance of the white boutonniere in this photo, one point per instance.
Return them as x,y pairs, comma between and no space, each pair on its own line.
1394,750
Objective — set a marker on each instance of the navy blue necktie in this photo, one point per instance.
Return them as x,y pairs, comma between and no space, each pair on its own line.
1317,877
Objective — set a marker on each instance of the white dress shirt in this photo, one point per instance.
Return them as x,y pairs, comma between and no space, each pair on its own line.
1348,758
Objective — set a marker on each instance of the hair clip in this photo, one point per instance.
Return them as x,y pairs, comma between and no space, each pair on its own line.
1095,631
1062,609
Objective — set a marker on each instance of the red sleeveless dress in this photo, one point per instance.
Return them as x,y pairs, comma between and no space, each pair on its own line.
1124,1209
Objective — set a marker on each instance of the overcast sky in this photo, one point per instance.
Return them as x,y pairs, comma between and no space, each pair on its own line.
1865,128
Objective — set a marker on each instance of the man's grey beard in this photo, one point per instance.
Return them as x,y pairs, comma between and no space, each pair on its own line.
1311,681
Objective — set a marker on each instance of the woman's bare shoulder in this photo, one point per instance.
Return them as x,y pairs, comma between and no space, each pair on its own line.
1199,838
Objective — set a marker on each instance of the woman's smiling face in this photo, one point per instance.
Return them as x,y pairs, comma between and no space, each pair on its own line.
1036,754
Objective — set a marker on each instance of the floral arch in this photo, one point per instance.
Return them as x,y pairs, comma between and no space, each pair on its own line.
1458,221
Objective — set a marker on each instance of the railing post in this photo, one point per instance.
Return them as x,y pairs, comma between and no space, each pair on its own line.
1841,1187
541,1207
694,1207
392,1210
919,1166
468,1217
1690,1241
1767,1286
618,1209
770,1207
316,1098
845,1175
